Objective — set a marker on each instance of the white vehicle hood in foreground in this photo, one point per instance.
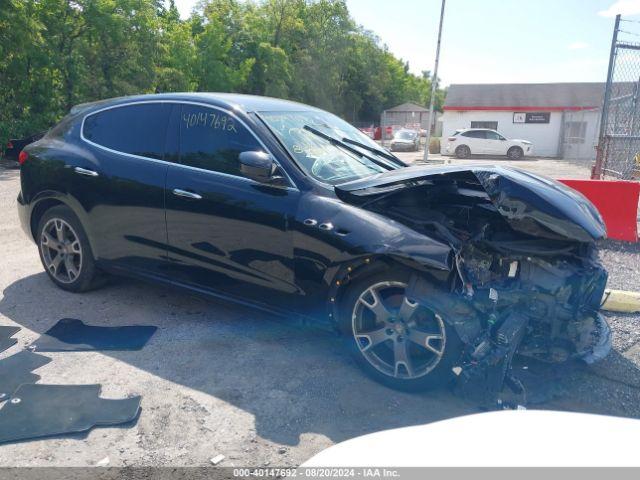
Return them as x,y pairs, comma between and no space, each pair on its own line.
509,438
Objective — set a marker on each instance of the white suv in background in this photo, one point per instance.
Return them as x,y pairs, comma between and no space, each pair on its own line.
483,141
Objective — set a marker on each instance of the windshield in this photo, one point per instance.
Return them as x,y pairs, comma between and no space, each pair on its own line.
318,157
405,135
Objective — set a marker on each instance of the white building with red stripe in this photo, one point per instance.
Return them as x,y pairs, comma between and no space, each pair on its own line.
560,119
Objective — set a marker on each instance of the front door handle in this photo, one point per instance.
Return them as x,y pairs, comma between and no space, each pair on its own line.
85,171
186,193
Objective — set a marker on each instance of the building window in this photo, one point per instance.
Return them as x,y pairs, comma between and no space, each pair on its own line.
575,132
491,125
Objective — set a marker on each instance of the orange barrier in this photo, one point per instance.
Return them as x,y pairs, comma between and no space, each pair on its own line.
617,202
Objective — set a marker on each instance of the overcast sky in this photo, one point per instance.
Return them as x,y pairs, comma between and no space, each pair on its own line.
498,41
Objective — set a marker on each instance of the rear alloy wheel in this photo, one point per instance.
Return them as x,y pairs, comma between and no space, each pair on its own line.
65,252
463,151
515,153
61,251
397,341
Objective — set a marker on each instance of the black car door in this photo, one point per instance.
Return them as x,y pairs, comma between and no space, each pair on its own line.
120,184
226,233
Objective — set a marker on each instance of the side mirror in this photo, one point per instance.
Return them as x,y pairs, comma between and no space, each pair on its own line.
258,166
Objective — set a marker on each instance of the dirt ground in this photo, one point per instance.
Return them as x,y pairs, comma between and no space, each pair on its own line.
550,167
220,379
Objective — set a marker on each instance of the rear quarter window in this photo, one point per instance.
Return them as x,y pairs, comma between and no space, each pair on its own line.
133,129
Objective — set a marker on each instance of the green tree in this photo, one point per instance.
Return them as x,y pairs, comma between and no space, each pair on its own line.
57,53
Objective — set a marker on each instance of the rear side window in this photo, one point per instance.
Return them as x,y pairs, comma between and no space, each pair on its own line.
62,128
134,129
212,140
474,134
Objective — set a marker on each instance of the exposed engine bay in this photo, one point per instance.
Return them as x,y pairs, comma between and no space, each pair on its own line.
525,277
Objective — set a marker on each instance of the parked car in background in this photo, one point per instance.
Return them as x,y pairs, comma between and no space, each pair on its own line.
483,141
405,140
14,146
426,270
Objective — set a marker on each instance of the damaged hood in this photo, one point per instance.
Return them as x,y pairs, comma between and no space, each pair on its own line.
530,204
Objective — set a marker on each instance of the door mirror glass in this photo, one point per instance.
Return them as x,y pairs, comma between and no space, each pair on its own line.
258,166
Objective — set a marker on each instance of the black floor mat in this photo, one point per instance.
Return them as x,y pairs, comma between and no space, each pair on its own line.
17,369
5,337
44,410
71,335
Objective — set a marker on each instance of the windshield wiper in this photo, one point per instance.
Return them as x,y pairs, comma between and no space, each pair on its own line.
377,151
340,143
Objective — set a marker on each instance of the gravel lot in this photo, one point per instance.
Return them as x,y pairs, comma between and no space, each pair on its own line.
220,379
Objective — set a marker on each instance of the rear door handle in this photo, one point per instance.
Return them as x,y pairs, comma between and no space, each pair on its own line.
85,171
186,193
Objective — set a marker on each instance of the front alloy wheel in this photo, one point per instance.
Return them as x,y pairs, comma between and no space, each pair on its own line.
396,340
394,335
515,153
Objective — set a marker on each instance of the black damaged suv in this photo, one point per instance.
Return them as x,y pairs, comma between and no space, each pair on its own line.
427,271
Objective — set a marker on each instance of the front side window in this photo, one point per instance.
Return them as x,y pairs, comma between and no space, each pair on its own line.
322,160
494,135
213,140
134,129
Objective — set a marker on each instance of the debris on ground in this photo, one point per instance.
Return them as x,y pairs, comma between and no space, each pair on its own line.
73,335
18,369
37,410
6,333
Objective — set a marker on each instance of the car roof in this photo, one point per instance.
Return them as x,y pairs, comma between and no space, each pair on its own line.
469,129
230,101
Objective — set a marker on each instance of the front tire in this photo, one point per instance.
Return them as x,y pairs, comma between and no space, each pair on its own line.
65,251
515,153
395,340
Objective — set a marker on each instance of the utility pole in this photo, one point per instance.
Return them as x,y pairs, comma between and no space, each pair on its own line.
434,79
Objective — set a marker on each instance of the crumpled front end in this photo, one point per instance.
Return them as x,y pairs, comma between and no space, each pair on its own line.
526,279
558,292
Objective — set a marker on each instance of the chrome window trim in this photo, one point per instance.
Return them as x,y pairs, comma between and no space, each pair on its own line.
292,185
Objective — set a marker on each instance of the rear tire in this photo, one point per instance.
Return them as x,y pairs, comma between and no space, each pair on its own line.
400,344
515,153
65,251
463,151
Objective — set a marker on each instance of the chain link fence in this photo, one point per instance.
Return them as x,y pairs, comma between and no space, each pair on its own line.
619,137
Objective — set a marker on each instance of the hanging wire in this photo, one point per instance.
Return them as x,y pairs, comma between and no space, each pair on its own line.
630,33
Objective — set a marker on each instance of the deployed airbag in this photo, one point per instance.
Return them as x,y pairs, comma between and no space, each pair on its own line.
72,335
43,410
